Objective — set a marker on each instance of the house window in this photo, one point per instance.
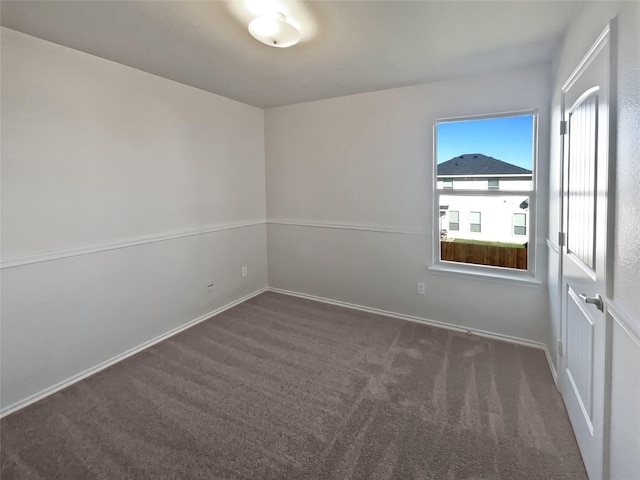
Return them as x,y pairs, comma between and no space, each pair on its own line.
484,170
454,221
519,223
475,222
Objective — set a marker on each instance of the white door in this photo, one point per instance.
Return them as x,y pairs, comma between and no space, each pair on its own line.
584,256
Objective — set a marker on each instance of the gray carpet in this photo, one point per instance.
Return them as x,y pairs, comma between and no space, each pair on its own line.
285,388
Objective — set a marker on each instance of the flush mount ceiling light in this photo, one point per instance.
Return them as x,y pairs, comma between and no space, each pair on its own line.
278,23
274,30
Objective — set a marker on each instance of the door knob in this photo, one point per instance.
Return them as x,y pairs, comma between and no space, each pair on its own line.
597,301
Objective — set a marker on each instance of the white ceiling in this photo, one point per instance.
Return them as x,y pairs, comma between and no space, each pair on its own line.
358,46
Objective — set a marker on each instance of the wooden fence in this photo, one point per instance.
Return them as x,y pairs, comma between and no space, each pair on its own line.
509,257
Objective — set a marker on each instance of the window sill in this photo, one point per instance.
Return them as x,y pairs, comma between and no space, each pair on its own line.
502,277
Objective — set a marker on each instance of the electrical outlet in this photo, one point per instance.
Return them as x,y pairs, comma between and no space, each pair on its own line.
244,271
420,288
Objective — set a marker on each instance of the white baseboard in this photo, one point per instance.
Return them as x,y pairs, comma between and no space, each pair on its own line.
118,358
552,367
426,321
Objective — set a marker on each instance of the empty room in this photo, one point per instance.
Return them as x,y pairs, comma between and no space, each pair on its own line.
288,239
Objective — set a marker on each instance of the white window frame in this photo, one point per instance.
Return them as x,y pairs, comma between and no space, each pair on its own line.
479,223
513,227
489,271
457,223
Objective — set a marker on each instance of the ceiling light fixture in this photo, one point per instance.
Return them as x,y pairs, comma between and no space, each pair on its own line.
274,30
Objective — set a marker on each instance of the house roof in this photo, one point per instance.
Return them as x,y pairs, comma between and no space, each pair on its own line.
479,164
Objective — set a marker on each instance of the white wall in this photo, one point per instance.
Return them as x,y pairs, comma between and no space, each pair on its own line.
625,301
349,202
123,195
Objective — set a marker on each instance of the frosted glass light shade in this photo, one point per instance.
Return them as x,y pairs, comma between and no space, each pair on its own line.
273,29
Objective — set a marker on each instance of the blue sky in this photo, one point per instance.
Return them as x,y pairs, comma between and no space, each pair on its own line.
509,139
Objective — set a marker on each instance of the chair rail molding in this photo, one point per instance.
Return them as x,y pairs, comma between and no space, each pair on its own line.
350,226
47,256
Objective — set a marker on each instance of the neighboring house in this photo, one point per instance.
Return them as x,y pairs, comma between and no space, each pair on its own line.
491,217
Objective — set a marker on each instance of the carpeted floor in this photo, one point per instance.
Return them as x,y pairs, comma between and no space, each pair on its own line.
285,388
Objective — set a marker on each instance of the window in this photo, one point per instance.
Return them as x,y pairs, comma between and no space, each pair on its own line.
454,221
519,223
475,222
484,169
